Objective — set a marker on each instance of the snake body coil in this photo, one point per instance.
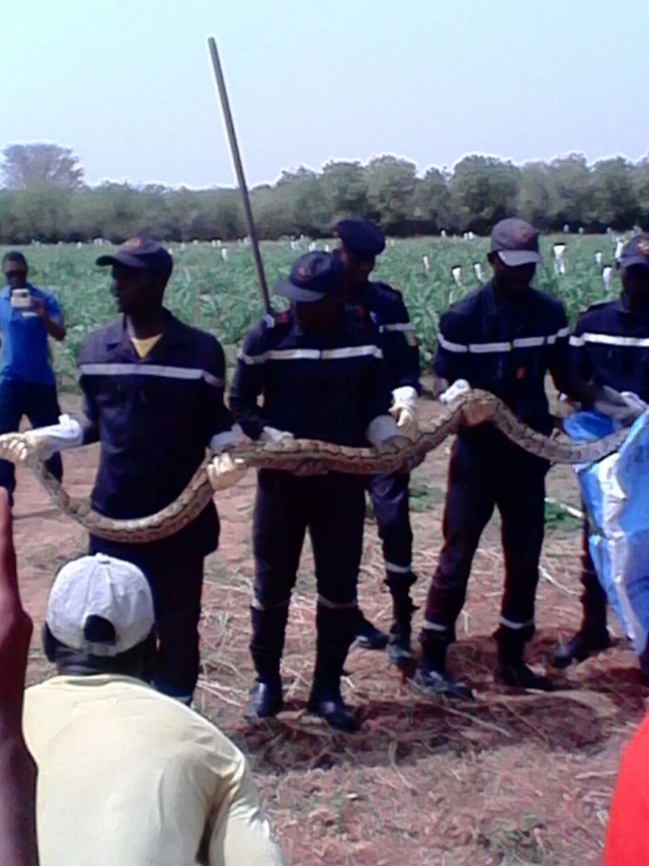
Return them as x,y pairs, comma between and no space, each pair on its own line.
311,457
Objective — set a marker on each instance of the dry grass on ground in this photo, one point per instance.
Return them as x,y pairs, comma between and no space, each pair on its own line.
506,779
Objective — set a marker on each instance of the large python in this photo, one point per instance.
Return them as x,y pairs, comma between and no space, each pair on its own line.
306,457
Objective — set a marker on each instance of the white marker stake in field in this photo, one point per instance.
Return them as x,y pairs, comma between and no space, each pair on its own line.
477,270
606,277
312,246
619,246
457,275
426,263
443,233
560,258
598,259
224,254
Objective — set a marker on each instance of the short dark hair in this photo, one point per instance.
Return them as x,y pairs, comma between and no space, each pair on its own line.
14,256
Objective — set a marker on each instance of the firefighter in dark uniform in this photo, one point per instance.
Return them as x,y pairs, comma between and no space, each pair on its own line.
153,398
610,346
502,338
360,242
321,375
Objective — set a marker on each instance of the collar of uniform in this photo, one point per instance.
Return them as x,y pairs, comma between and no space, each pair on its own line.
340,327
621,305
359,294
493,308
118,333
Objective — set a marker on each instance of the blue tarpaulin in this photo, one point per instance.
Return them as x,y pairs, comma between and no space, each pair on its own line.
615,492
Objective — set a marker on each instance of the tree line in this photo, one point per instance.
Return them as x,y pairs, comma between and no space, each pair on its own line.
43,198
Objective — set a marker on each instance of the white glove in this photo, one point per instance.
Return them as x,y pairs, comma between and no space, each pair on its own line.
623,407
404,410
57,437
220,441
224,471
458,389
272,434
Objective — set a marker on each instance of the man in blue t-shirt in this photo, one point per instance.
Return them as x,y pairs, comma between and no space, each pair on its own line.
27,384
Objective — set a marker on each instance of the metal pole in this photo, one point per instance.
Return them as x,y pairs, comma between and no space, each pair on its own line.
238,166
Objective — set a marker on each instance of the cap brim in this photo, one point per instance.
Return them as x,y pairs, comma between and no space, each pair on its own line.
287,289
121,259
630,261
516,258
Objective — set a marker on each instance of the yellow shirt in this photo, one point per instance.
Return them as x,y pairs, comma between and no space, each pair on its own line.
130,777
144,345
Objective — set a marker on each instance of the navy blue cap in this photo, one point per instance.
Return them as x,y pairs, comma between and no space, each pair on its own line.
140,252
362,237
313,276
636,252
516,242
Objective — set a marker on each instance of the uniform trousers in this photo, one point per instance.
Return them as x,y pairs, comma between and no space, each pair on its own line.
501,475
332,508
593,597
390,496
174,569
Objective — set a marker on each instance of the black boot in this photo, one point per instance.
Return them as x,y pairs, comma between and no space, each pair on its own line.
592,637
336,628
511,670
431,675
266,700
266,647
399,647
368,636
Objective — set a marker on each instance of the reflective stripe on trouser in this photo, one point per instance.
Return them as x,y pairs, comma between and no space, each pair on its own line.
593,597
332,507
391,502
476,484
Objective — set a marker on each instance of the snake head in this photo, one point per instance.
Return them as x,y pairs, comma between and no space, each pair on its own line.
477,410
16,447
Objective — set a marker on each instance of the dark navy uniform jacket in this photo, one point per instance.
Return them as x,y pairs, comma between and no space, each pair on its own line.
610,346
155,417
384,307
504,349
315,385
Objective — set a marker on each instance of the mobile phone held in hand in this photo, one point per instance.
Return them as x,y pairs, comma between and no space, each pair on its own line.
21,300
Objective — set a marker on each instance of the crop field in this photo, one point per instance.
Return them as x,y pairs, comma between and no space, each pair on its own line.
219,292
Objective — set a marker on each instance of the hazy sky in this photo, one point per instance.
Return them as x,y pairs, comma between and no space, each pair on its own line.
128,83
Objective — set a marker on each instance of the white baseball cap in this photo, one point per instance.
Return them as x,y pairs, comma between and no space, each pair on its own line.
100,586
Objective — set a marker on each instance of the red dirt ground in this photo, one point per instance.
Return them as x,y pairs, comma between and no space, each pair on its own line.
507,779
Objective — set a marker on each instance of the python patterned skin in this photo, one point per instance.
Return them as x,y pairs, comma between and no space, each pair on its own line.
305,457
